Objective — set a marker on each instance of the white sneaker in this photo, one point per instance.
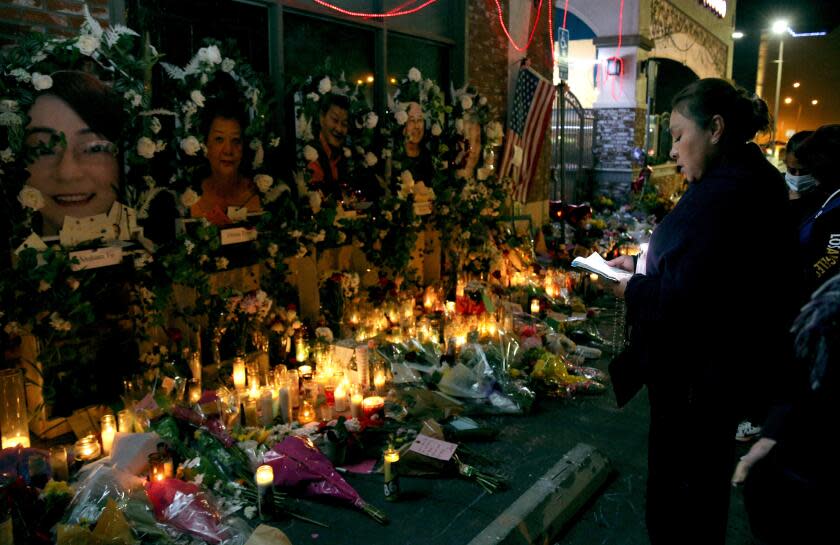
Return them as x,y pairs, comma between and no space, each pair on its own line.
746,431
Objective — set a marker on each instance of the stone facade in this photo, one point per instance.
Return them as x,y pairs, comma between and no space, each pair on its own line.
54,17
666,19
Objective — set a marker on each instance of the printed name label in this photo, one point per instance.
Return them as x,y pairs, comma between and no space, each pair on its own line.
235,235
100,257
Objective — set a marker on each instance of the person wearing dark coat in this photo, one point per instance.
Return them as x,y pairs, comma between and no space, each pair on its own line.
707,321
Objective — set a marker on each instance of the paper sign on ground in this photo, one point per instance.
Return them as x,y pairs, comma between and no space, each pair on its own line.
433,448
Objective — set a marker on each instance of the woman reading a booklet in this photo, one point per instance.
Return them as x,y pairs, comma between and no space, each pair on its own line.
707,326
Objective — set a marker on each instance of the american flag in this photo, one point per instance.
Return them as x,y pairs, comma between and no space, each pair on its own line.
532,103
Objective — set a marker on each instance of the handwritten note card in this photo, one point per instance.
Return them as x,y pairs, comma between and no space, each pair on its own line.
433,448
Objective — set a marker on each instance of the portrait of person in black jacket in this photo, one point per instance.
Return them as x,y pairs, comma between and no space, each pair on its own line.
707,322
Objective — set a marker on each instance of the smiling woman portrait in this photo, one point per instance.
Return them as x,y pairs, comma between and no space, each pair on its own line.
226,186
708,340
73,159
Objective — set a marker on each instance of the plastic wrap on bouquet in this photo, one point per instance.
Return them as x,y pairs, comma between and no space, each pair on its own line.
99,485
299,465
185,507
412,361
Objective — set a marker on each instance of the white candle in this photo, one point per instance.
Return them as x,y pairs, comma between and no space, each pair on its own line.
356,405
239,373
379,381
108,429
195,365
22,440
535,306
340,399
265,407
362,365
58,463
264,478
285,404
251,412
194,390
125,421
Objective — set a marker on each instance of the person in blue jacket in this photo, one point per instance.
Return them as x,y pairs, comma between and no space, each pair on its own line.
707,321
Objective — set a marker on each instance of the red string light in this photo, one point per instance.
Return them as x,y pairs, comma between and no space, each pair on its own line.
565,13
551,35
374,15
504,27
620,23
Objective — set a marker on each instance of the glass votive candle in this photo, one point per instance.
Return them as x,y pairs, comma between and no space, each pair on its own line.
87,449
125,421
306,414
373,405
239,373
107,429
58,463
194,390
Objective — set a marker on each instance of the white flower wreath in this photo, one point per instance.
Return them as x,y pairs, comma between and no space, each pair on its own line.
192,81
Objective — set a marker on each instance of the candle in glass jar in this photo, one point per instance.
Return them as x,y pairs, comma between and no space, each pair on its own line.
301,350
108,428
251,412
264,477
58,463
356,405
266,415
239,373
194,390
14,419
195,365
87,448
535,306
372,405
125,421
340,396
306,413
285,402
305,371
450,307
379,381
22,440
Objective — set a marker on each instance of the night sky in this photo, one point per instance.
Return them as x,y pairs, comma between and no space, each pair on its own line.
813,62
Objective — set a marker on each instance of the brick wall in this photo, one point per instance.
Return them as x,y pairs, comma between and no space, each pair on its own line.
52,17
487,54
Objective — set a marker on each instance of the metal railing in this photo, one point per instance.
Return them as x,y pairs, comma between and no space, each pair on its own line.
572,131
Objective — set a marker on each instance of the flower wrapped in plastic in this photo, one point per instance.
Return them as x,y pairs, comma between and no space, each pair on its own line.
299,465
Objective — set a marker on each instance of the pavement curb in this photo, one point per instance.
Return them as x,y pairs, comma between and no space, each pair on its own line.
542,510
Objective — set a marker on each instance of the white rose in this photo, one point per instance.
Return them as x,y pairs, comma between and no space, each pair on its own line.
275,192
370,159
190,145
273,249
198,98
436,130
9,119
8,105
371,120
41,81
324,86
21,75
314,97
315,201
7,155
189,198
146,147
87,44
210,54
459,126
155,125
414,74
347,152
263,182
227,65
310,153
31,197
466,102
401,117
482,101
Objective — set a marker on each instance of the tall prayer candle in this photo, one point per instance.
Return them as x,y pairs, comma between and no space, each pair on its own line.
285,402
340,395
125,421
108,428
265,407
58,463
535,306
356,405
239,373
306,413
14,420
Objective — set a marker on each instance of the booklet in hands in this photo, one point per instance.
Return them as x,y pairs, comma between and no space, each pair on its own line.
595,263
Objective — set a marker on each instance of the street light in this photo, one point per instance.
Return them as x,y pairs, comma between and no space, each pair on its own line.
779,28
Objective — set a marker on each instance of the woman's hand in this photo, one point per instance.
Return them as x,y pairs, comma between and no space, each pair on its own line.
619,287
623,262
759,450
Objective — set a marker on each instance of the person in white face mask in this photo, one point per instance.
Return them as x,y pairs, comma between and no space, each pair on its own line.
819,232
801,183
